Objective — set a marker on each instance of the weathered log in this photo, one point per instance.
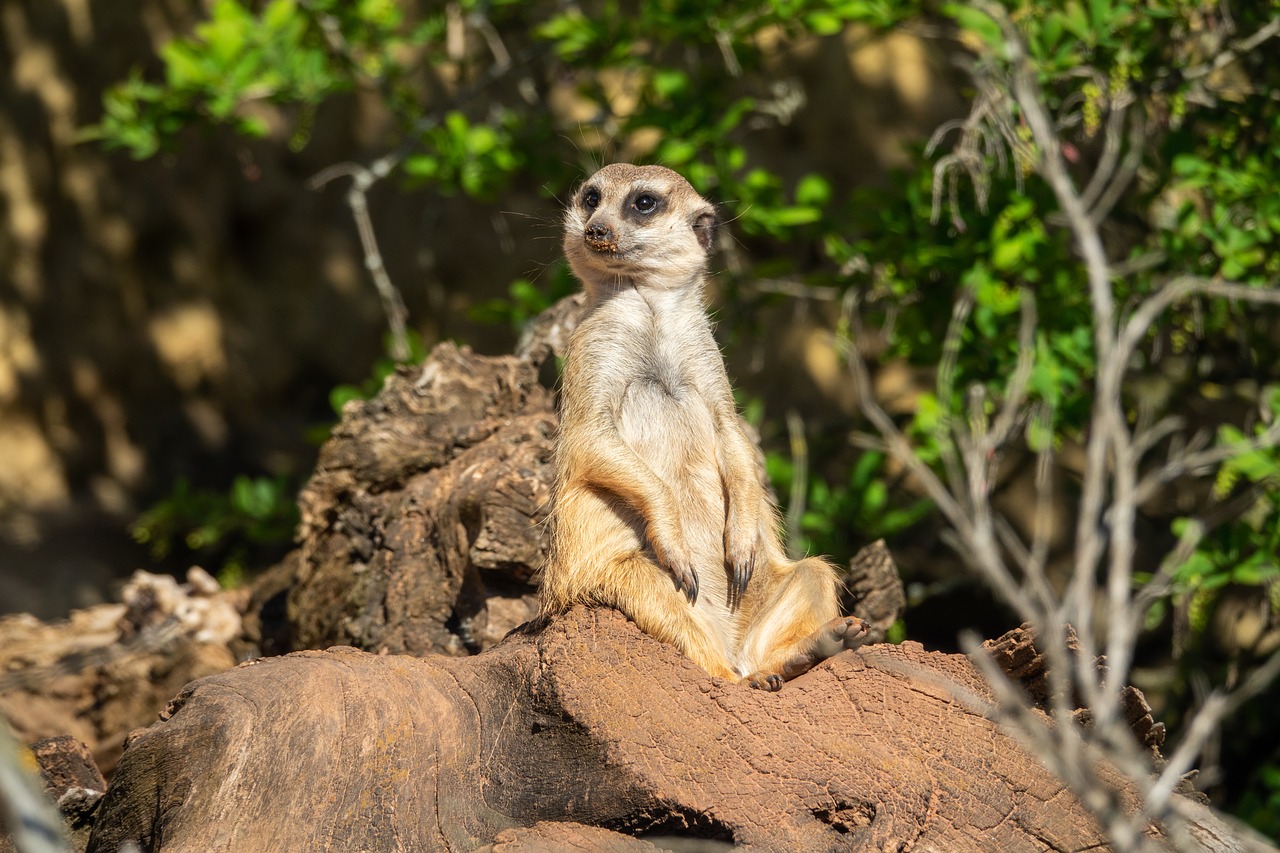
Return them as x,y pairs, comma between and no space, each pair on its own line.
106,670
591,722
876,589
420,528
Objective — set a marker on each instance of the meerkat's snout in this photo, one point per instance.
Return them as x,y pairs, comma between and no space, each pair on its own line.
600,237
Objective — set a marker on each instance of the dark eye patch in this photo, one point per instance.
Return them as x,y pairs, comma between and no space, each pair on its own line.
643,204
590,198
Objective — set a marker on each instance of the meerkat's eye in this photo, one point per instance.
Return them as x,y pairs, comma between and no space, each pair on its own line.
645,203
591,199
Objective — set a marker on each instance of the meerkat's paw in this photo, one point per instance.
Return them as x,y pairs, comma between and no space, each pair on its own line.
841,633
741,555
771,682
673,555
681,567
838,635
686,581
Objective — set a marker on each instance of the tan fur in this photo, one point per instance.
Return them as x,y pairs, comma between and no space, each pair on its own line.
659,508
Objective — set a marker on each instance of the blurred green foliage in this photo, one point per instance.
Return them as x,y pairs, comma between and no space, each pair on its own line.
525,300
1161,93
1246,553
221,529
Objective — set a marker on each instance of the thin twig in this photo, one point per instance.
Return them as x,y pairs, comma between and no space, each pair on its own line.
362,179
799,483
1233,52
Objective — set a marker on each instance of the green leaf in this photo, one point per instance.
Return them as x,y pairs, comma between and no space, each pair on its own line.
875,497
813,190
865,469
795,215
1155,615
977,22
1039,434
670,82
279,14
422,166
343,394
1051,32
1077,21
824,23
1100,16
676,152
183,65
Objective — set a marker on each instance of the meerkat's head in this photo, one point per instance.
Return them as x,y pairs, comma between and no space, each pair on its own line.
640,224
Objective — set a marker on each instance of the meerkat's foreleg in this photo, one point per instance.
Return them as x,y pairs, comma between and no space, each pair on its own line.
796,626
748,522
610,464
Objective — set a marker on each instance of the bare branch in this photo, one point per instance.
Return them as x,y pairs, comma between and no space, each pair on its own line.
1234,51
1112,488
946,384
1140,322
1206,722
1016,391
357,199
977,538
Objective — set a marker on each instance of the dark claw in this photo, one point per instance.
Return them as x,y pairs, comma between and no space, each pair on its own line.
769,683
739,577
691,589
743,573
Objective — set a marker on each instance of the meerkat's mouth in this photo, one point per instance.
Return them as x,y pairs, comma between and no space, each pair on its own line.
604,245
612,263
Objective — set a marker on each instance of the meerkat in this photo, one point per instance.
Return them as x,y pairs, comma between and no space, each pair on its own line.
659,507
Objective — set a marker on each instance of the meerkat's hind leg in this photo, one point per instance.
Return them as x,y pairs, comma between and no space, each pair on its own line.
841,633
797,626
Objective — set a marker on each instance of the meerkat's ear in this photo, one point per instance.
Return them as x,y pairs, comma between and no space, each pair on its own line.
704,227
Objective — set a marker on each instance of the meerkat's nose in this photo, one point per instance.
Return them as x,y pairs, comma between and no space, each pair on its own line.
600,237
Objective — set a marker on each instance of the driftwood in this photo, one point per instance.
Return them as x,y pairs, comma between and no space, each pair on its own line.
420,528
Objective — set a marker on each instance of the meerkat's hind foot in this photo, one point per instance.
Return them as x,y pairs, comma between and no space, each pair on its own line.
771,683
837,635
841,633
